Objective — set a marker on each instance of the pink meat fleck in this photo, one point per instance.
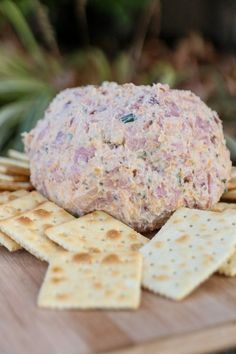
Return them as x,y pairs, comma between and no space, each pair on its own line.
84,154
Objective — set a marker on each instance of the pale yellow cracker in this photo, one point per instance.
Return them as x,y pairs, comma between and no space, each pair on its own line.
14,186
189,248
28,229
14,170
7,161
231,184
17,155
18,202
20,167
6,197
15,178
21,205
229,267
8,243
96,232
233,172
223,206
229,195
93,281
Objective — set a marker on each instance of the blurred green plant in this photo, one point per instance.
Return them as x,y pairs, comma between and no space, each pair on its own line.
25,79
34,66
31,75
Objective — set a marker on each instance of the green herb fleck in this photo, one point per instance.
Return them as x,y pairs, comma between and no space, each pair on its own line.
128,118
142,154
70,136
224,180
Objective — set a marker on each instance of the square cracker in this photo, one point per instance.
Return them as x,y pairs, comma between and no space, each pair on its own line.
223,206
14,166
233,172
8,161
14,170
97,232
93,281
229,196
229,267
18,202
17,155
20,205
190,247
4,178
6,197
8,243
14,186
28,229
231,184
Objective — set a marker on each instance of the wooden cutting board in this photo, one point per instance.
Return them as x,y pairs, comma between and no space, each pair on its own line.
204,322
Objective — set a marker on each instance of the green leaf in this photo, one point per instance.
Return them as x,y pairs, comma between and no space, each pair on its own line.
10,10
12,65
128,118
35,113
15,88
94,62
10,117
231,144
45,26
123,68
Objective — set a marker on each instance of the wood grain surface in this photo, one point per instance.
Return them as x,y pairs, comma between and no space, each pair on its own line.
204,322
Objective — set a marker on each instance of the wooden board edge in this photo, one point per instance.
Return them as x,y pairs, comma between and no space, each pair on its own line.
207,340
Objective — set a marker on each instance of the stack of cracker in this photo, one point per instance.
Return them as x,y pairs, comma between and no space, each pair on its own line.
97,262
93,260
230,193
14,172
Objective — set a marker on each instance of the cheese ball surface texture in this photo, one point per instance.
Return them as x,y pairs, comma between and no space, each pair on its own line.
135,152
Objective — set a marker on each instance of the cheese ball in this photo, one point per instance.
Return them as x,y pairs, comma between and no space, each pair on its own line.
135,152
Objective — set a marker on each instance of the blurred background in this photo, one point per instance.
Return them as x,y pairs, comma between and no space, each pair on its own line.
49,45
